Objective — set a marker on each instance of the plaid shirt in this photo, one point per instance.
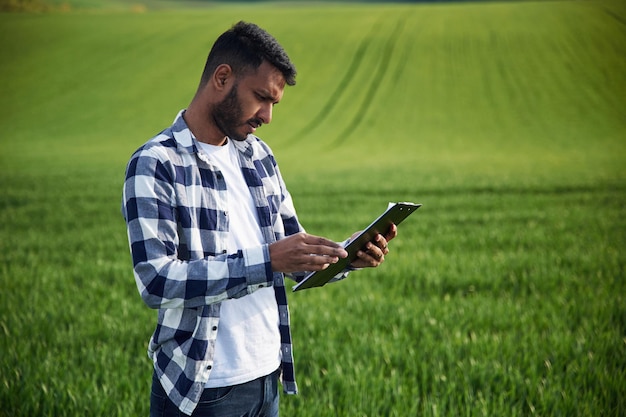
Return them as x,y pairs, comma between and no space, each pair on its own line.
175,207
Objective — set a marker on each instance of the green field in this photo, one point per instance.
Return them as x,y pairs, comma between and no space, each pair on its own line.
504,295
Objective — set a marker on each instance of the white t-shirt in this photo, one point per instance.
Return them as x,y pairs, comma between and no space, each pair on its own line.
248,339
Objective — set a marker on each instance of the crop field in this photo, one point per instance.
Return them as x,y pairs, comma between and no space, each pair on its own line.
504,295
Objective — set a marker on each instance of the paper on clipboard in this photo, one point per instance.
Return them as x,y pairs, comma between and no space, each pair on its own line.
395,213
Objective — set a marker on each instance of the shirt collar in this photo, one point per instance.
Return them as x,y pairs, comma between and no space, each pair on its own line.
186,142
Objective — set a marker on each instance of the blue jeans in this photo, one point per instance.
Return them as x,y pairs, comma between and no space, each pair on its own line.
258,398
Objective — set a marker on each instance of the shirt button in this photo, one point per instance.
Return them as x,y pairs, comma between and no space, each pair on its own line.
214,328
209,368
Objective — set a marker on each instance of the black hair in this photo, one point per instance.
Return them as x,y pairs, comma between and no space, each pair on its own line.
244,47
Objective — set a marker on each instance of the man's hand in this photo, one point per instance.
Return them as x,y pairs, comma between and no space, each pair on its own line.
304,252
374,251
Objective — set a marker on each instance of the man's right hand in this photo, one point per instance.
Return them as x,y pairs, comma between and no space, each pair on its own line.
304,252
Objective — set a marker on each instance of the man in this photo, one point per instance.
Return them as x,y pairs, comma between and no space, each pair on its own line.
212,231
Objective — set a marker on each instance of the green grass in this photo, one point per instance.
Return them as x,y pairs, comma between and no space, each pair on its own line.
503,294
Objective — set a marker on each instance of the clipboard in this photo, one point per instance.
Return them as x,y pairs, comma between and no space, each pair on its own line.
395,213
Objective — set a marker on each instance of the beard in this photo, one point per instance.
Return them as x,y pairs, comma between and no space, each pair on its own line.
228,116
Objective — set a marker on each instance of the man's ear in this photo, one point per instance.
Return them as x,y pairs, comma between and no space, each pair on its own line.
222,76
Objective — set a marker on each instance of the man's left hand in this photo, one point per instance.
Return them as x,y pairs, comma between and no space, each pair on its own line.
374,251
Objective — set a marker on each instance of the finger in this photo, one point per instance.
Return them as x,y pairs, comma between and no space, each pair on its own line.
366,259
381,242
392,232
375,252
323,247
320,241
318,262
326,252
313,259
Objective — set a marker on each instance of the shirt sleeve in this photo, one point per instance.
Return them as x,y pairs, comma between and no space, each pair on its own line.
165,277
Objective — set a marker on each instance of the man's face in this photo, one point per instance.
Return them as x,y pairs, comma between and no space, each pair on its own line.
249,102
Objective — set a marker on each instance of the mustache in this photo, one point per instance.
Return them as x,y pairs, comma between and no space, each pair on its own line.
256,122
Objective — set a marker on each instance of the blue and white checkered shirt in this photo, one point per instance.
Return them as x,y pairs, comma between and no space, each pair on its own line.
175,207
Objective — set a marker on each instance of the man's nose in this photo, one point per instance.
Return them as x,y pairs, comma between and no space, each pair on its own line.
265,113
